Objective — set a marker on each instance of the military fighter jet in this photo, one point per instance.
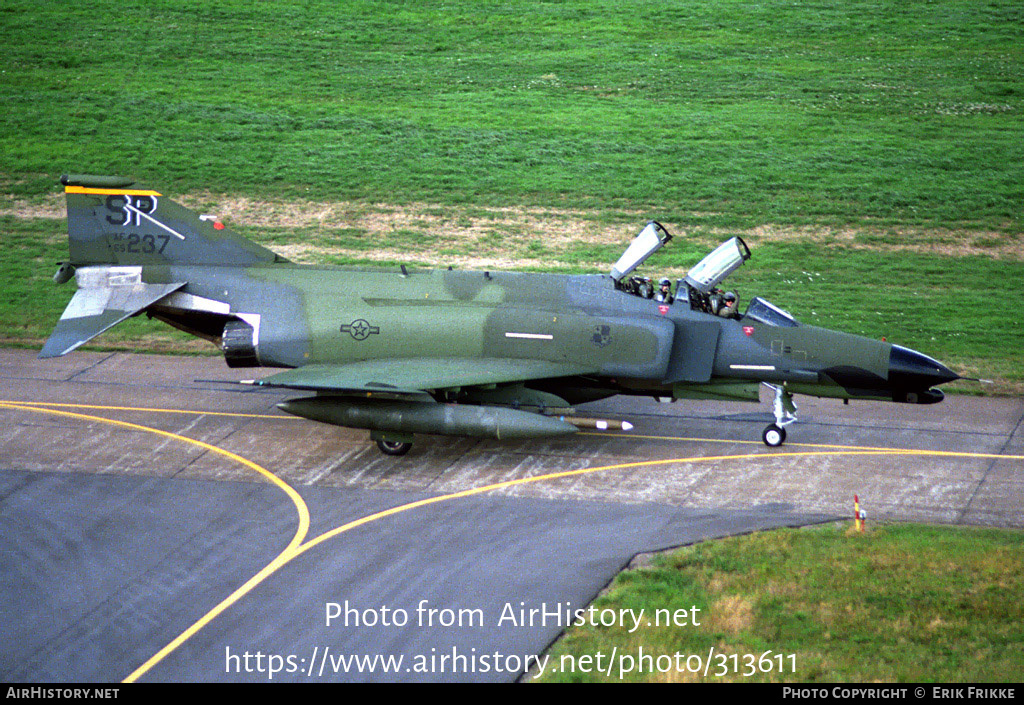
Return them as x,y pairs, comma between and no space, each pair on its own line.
467,353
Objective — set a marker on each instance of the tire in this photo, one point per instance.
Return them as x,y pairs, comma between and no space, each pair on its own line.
394,447
773,436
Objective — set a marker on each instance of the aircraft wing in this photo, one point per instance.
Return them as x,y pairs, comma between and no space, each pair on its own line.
417,375
101,304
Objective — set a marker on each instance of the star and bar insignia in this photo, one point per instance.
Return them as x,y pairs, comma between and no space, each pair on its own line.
360,329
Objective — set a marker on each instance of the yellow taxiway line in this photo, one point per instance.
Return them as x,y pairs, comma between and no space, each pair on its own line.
286,555
298,545
620,435
151,410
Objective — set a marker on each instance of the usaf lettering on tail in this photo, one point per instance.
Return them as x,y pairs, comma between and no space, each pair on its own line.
493,354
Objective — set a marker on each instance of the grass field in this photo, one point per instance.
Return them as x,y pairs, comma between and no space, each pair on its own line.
870,151
769,111
895,604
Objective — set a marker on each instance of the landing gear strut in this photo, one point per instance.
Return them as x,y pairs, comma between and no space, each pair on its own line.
774,435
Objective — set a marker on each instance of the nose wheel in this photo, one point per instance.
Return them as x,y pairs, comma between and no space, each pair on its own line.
774,435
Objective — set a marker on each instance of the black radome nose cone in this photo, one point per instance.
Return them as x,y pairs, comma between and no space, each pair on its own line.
909,369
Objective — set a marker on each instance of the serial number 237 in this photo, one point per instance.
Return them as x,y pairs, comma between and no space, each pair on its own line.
139,244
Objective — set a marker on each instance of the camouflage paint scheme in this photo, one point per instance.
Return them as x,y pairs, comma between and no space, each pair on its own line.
499,354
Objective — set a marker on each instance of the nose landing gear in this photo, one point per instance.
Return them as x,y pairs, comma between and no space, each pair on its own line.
774,435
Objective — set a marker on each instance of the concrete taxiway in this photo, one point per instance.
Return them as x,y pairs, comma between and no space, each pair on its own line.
138,494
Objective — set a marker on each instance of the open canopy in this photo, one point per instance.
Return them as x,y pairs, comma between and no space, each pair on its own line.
651,239
726,259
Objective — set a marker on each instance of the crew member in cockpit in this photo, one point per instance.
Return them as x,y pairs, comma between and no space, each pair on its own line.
729,307
664,293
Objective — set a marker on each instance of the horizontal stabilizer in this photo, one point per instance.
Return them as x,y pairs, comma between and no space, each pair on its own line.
104,298
415,375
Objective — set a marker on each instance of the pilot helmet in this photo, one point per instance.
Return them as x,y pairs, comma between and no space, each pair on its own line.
664,281
729,297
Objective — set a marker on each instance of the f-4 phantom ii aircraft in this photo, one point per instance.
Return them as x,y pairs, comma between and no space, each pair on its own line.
465,353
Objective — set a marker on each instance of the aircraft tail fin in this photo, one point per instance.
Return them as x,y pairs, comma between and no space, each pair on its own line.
114,220
115,228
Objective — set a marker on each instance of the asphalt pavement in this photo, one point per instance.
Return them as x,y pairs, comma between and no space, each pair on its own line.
141,492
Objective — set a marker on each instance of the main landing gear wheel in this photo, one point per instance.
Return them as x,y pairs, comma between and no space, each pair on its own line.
773,436
394,447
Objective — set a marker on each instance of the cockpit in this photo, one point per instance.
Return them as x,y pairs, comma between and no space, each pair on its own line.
698,290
